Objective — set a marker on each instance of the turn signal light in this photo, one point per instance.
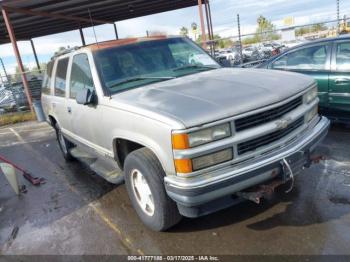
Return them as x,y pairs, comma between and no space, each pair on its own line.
183,165
180,141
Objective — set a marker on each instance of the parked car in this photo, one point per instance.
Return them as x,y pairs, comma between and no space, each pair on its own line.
188,139
328,62
7,99
229,56
252,54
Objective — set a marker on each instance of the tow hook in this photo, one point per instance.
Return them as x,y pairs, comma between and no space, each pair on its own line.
261,191
317,159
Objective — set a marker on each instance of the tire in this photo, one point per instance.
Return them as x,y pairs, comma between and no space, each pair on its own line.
165,212
64,144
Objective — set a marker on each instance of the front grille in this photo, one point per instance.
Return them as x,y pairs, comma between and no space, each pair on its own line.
256,143
267,116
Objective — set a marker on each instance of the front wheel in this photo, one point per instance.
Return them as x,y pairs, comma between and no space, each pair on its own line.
144,179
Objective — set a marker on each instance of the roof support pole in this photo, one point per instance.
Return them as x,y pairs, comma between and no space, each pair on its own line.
82,36
35,55
201,18
115,31
211,22
210,34
18,57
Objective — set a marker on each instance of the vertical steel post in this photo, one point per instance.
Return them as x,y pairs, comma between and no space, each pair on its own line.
338,19
240,40
201,17
5,72
211,37
115,31
18,56
82,36
35,55
211,22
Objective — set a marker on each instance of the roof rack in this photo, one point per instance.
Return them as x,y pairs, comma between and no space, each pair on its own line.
65,51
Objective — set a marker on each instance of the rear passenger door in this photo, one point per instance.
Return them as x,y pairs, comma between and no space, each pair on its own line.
59,102
311,60
339,85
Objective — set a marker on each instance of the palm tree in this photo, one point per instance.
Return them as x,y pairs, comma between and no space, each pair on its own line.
183,31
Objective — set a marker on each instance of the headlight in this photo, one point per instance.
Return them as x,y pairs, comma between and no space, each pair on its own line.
311,95
209,135
204,136
311,114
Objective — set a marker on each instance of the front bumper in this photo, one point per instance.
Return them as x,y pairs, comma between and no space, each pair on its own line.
193,193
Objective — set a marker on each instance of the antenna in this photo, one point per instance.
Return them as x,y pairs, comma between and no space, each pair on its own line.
93,26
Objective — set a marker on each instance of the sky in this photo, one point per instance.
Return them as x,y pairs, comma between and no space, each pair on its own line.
224,13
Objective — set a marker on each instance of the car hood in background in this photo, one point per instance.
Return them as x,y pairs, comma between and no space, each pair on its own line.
213,95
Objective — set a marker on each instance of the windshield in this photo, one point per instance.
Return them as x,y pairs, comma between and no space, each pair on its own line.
125,67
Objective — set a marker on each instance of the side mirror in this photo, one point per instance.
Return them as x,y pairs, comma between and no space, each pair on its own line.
85,97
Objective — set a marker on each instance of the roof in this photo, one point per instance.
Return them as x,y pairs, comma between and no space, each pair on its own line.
51,20
322,40
125,41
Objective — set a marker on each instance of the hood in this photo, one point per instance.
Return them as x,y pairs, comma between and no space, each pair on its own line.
213,95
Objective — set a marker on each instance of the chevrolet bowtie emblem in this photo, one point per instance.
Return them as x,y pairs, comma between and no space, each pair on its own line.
283,123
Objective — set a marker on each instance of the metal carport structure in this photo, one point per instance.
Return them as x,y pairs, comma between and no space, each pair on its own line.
23,20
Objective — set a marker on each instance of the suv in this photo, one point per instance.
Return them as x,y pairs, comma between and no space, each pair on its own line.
187,138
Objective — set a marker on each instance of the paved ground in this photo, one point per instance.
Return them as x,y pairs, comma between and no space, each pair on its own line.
77,212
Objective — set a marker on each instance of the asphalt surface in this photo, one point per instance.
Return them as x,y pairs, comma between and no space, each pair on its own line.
77,212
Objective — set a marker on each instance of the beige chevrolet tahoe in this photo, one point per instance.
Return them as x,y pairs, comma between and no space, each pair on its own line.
187,136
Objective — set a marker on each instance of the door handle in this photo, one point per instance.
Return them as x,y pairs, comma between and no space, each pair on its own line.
341,81
69,109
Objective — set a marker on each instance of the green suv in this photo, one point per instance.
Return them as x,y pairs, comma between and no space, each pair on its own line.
328,61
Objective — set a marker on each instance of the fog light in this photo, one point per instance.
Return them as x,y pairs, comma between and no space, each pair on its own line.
212,159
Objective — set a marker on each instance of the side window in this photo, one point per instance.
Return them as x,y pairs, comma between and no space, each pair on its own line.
343,56
81,76
60,79
310,58
47,79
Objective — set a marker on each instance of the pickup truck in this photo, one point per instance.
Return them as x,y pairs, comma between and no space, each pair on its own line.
187,136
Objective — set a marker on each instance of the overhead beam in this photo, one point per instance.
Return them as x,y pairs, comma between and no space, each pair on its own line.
18,57
46,28
53,15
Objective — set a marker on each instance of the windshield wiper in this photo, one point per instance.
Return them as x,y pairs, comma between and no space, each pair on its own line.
194,66
138,78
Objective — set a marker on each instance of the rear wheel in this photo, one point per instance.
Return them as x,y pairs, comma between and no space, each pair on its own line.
64,144
144,179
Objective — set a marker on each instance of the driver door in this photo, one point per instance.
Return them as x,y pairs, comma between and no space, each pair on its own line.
83,118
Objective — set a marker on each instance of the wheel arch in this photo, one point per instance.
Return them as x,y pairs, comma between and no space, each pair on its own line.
122,147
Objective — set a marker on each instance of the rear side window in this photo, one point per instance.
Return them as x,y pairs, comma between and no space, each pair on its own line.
310,58
47,79
60,79
81,76
343,56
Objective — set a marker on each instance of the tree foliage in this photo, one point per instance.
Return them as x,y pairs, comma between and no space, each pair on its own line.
219,42
184,31
265,30
310,29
